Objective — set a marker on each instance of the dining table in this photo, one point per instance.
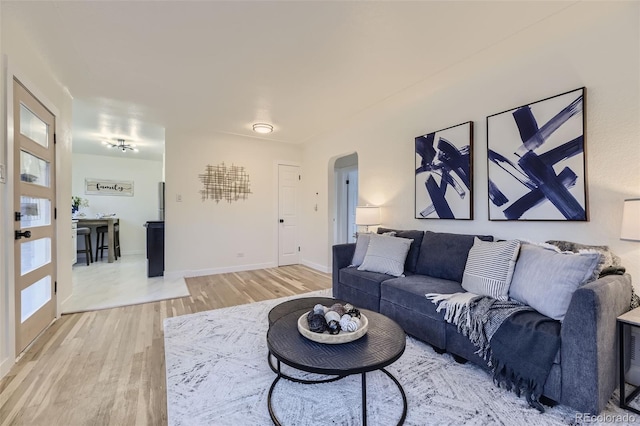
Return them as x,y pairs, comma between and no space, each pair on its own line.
109,222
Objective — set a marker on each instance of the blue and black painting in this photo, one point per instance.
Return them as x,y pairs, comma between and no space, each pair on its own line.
536,171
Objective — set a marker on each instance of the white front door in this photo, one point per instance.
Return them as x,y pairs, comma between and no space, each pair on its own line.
34,225
288,183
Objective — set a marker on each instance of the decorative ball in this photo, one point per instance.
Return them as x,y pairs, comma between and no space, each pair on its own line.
320,309
332,316
348,307
344,321
351,326
317,323
337,307
334,327
356,321
354,312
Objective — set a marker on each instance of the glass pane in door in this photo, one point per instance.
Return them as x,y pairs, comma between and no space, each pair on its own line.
34,297
35,212
33,169
34,254
32,127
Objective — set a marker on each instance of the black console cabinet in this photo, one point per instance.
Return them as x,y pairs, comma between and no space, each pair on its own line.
155,248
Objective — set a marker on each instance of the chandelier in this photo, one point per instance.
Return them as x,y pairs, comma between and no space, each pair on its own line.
121,145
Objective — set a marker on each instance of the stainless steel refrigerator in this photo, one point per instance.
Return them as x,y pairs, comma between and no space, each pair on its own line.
161,201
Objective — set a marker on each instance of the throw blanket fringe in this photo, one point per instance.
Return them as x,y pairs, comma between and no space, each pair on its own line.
454,305
514,382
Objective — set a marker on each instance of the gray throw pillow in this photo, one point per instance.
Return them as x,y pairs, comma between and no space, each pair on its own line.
362,243
386,255
490,267
414,250
546,279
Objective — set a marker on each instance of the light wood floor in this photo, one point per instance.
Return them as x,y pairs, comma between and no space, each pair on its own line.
107,367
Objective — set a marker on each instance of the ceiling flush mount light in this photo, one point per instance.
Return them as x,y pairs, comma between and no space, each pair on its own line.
121,145
262,128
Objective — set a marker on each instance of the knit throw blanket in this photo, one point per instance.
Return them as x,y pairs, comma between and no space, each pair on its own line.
480,318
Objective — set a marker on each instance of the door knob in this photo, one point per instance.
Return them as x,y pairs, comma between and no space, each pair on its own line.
20,234
281,220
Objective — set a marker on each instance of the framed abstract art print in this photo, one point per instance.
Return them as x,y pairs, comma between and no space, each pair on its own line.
443,173
536,160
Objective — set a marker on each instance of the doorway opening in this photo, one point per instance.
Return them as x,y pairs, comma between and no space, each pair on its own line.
346,193
131,195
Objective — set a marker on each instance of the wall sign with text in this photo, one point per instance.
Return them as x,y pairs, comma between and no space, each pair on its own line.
108,187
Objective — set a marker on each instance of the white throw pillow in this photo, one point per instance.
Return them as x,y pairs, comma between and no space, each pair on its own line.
489,268
386,255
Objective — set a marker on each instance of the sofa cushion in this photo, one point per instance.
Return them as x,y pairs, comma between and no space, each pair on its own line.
364,281
490,267
414,250
386,255
444,255
410,291
546,279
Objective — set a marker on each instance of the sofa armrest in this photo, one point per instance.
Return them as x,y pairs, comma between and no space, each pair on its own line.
342,255
588,348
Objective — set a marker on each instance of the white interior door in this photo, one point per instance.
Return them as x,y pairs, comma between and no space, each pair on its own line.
346,202
352,202
288,183
34,225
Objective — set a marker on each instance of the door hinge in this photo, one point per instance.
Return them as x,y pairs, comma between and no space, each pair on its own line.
17,216
299,177
347,182
55,287
55,213
298,248
55,141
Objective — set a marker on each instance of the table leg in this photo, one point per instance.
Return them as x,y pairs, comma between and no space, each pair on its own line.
364,399
111,249
623,402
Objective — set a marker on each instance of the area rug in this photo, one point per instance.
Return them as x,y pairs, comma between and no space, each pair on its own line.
217,374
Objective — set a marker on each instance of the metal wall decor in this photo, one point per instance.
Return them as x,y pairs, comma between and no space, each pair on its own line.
222,182
443,175
537,161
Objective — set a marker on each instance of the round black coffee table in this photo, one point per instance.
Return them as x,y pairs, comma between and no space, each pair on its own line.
383,344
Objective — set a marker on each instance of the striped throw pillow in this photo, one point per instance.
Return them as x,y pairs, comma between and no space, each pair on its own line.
386,255
489,268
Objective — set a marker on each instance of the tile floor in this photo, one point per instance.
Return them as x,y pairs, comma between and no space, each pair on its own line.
103,285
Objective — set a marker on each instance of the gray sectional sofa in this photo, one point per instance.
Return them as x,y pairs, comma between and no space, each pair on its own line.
583,374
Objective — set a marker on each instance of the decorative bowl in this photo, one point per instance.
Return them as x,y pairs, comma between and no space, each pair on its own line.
332,339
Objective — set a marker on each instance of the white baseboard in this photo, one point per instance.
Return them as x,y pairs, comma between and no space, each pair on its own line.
131,252
316,266
5,366
62,305
172,275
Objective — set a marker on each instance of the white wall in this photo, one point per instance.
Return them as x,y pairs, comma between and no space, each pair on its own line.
588,44
25,61
203,237
132,211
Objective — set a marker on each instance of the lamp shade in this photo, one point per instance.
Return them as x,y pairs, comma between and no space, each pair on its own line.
367,215
630,220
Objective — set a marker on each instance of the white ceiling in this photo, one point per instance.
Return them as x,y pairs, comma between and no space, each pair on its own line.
138,68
